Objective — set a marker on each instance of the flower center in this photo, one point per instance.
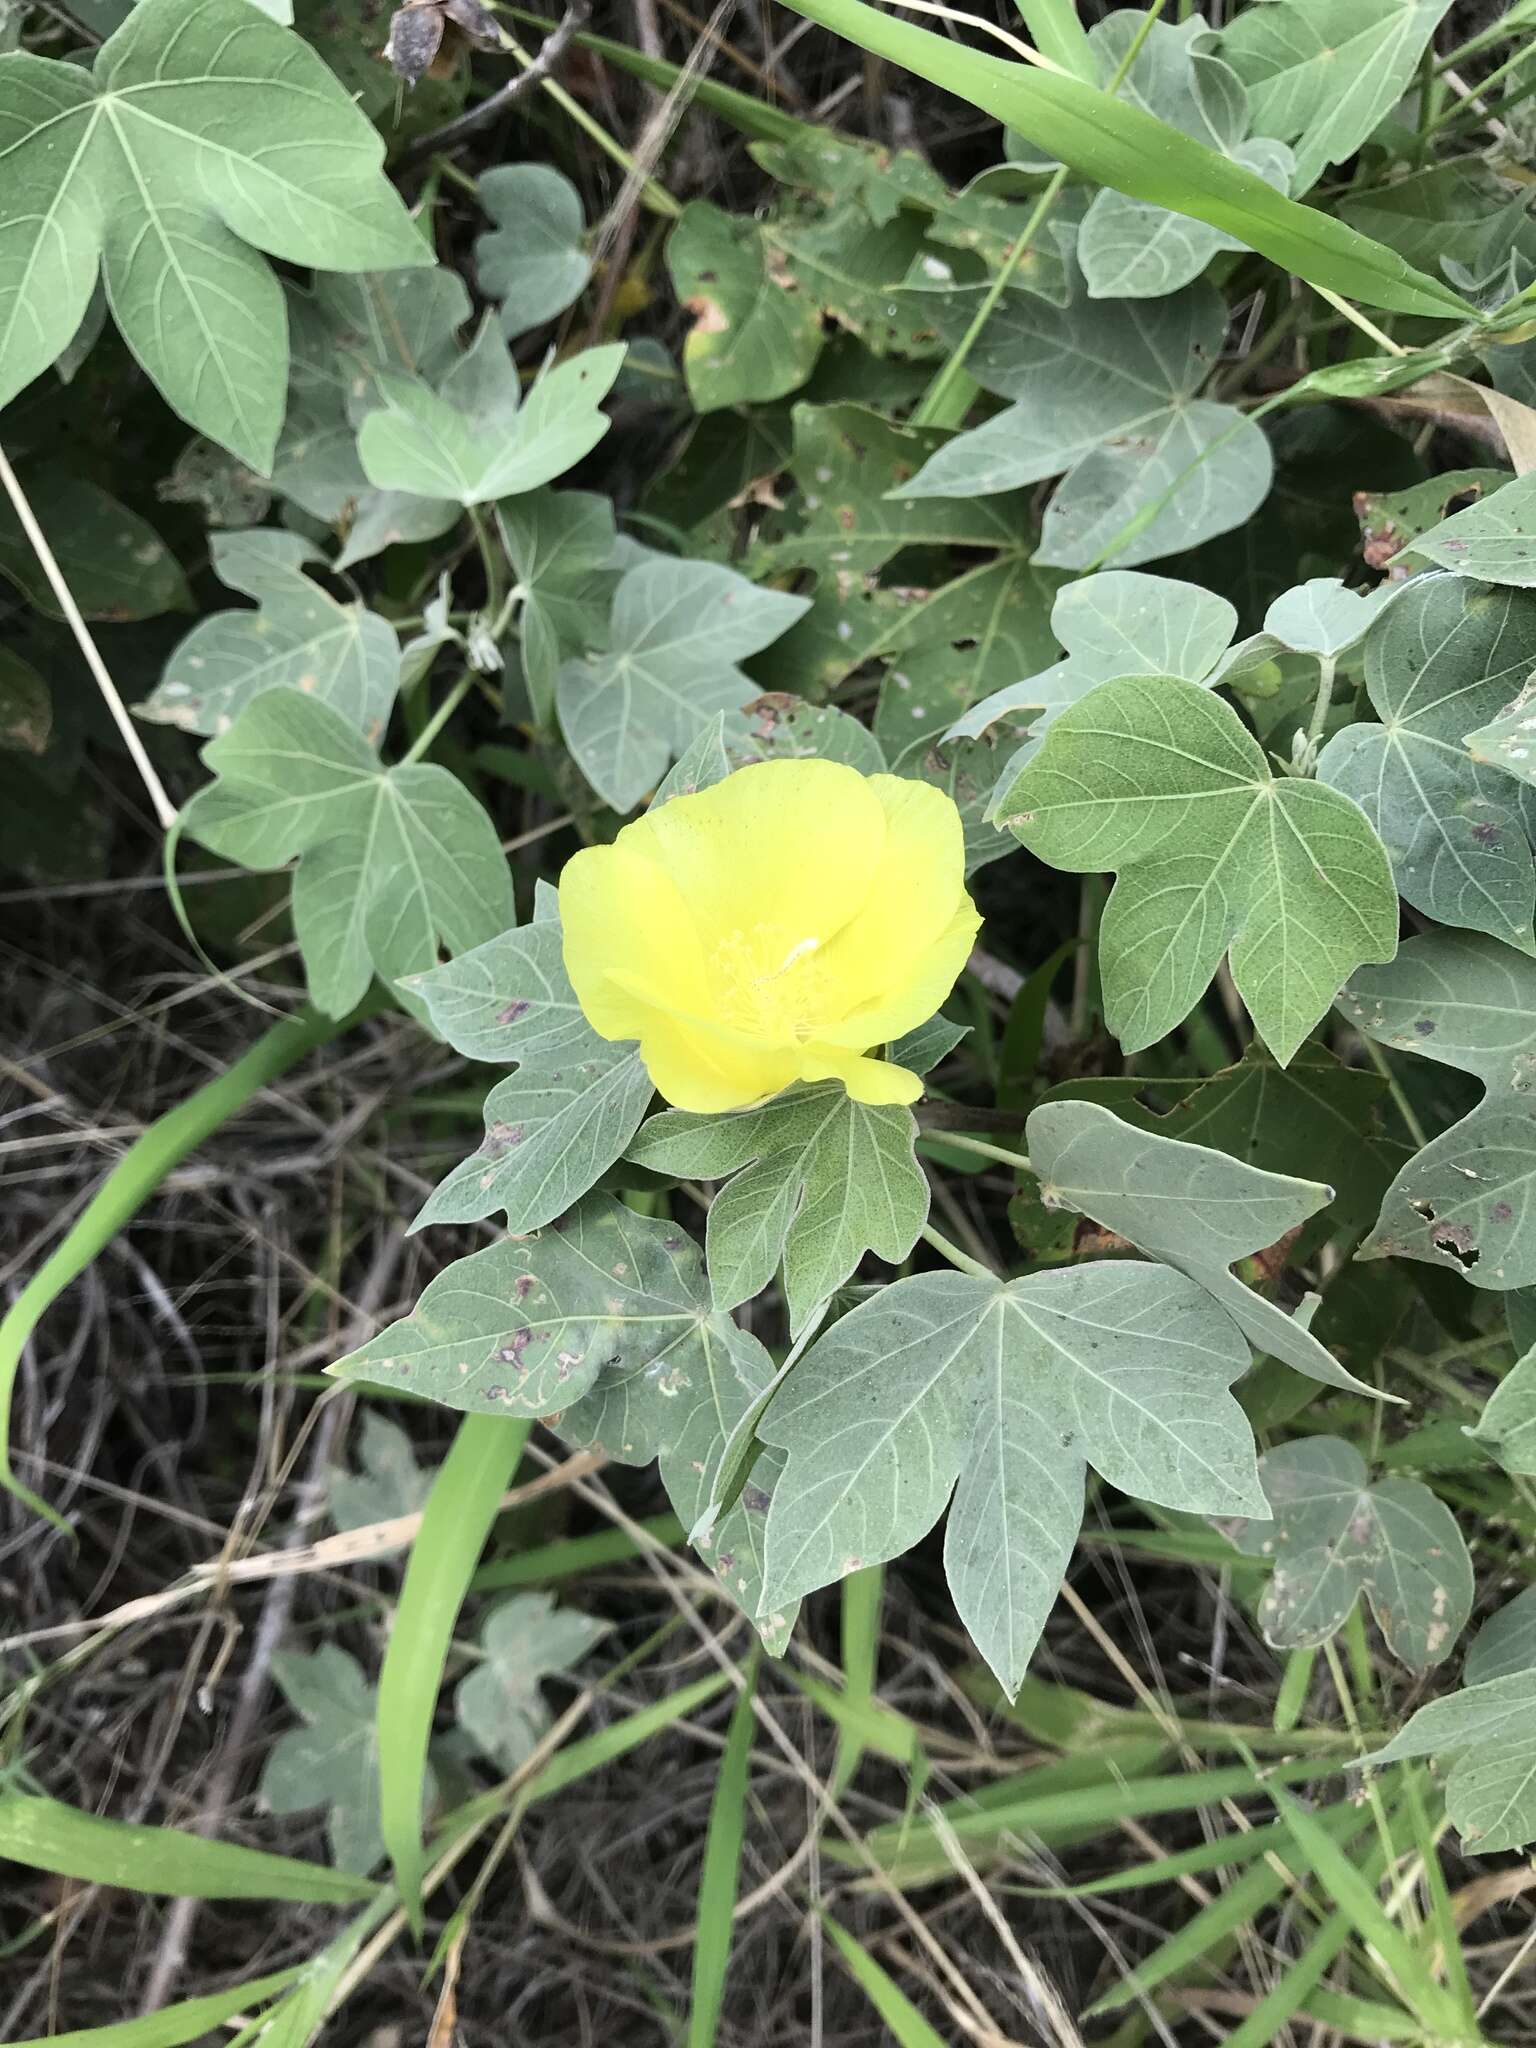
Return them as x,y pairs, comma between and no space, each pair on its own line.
770,983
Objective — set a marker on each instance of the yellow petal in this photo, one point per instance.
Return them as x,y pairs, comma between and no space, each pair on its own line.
629,941
866,1080
704,1071
916,890
924,984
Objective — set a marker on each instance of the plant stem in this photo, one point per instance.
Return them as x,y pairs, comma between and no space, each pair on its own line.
961,1261
1327,668
983,1150
141,1170
439,718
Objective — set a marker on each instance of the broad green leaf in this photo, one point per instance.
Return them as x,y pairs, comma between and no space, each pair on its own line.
532,261
333,1759
837,167
755,333
526,1639
1507,1424
1488,1731
116,565
961,641
1160,779
1323,74
816,1181
393,862
990,217
852,272
1448,655
1332,1536
1493,540
1104,392
26,708
1466,1201
299,638
473,439
1001,1393
388,1483
1195,1210
1506,1642
1131,250
574,1103
561,546
678,630
203,134
1430,213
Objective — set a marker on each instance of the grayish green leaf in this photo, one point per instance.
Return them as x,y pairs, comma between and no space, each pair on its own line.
1009,1389
1507,1424
1195,1210
778,727
1447,655
929,1045
561,546
1506,1642
817,1180
1493,540
1160,779
532,261
1333,1536
333,1760
115,168
677,632
299,638
524,1640
389,1482
1489,1733
852,272
1130,249
755,333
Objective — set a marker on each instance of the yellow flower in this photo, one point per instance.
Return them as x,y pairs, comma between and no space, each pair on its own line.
772,929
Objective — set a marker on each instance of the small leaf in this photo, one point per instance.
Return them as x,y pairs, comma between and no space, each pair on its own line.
1507,1424
561,546
333,1760
299,638
116,565
755,334
1488,1730
1161,780
1493,539
1195,1210
389,1482
532,261
1332,1536
817,1181
1506,1642
526,1639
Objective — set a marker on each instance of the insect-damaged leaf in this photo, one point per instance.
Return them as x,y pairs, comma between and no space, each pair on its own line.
1161,780
1333,1536
1493,540
1466,1201
1002,1393
755,334
1196,1210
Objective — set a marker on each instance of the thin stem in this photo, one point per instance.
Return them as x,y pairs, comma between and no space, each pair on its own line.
961,1261
1405,1108
983,1150
1366,326
164,809
439,718
1327,669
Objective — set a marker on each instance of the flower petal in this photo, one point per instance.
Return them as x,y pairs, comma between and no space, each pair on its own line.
915,895
630,944
924,985
703,1070
865,1079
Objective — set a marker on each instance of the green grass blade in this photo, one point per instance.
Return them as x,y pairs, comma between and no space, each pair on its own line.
455,1523
721,1874
1226,1852
1120,145
46,1835
903,2021
863,1598
1056,32
173,2025
570,1556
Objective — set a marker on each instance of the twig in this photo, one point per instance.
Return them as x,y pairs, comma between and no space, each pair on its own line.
164,809
550,53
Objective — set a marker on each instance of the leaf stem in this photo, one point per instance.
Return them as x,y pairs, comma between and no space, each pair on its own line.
439,718
1327,669
961,1261
983,1150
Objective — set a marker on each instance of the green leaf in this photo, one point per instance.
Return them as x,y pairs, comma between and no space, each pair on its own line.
203,134
1129,249
837,167
532,261
1325,73
1507,1424
778,727
561,546
961,642
1320,617
755,333
1464,1202
1494,540
1506,1642
816,1181
172,2026
1333,1536
1002,1393
299,638
393,862
1489,1733
43,1834
677,632
116,565
1430,213
526,1639
26,709
1195,1210
852,273
1161,780
1447,655
567,1114
1104,392
333,1760
474,439
390,1482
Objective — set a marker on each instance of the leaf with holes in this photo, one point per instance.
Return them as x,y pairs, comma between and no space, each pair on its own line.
553,1128
525,1640
1493,539
1195,1210
333,1760
116,169
1468,1200
388,1482
755,334
532,261
1447,655
678,630
393,862
1002,1394
1216,856
813,1180
298,638
1332,1536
